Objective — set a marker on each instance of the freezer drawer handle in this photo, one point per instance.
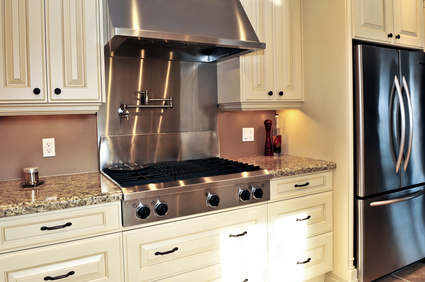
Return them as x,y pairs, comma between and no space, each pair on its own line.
44,228
303,219
59,277
167,252
304,262
398,200
302,185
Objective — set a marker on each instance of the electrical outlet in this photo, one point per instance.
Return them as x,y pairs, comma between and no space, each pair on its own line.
49,147
248,134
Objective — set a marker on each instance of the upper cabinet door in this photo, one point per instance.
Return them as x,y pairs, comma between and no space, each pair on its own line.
398,22
409,22
371,19
22,52
72,30
257,67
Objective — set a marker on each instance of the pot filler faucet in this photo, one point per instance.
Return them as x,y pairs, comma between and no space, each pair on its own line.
145,103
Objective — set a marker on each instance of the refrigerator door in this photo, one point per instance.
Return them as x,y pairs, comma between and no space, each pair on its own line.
413,72
377,146
391,232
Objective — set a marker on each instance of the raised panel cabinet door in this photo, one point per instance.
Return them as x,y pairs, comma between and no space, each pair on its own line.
257,68
22,52
288,51
373,19
408,22
73,50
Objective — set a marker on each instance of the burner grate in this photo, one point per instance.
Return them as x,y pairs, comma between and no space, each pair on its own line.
178,170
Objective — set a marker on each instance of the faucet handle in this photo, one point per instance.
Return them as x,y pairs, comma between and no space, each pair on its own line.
123,112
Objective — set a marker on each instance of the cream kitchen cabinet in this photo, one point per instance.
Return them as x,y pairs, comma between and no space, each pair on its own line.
51,56
227,246
398,22
269,79
300,227
79,244
94,259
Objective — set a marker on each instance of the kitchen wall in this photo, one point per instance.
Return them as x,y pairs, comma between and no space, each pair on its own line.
21,144
76,141
230,126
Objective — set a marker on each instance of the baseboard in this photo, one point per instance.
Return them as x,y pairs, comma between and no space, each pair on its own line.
332,277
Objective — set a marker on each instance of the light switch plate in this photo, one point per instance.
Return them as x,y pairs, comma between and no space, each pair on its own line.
49,147
248,134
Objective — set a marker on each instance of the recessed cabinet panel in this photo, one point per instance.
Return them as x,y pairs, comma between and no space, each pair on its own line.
73,50
22,51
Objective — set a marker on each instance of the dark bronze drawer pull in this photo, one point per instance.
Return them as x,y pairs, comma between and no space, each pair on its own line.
302,219
238,235
304,262
44,228
59,277
302,185
167,252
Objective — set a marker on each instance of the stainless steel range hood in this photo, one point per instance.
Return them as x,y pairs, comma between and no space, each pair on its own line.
186,30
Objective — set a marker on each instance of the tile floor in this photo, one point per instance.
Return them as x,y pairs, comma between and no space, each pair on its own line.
412,273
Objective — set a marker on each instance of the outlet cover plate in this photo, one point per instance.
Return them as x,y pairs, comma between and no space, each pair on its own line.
248,134
49,147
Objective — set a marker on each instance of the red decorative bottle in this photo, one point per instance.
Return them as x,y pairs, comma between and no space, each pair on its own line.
268,148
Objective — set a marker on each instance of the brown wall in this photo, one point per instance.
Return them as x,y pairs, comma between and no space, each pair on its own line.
21,144
76,141
230,126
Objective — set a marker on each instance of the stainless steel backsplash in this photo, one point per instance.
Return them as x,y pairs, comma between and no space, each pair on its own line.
186,131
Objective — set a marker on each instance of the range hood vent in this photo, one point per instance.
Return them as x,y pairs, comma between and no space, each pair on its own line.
191,30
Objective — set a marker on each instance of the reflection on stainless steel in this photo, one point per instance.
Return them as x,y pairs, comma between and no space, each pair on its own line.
389,136
153,148
193,30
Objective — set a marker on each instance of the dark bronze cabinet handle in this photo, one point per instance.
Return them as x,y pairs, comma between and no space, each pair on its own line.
59,277
303,219
302,185
58,91
238,235
281,93
36,91
397,36
390,35
167,252
44,228
304,262
270,93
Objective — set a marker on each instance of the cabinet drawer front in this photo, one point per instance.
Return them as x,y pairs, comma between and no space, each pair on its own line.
160,252
85,260
294,186
36,229
299,262
300,218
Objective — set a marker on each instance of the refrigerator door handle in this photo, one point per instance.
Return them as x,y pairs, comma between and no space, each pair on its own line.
397,200
396,88
409,104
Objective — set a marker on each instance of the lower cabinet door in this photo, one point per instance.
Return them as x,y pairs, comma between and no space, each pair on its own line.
302,260
227,245
94,259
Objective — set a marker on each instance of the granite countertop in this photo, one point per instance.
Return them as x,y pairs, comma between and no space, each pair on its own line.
57,192
287,165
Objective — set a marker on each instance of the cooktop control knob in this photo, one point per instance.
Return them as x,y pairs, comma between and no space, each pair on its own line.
257,192
244,195
213,200
143,212
161,209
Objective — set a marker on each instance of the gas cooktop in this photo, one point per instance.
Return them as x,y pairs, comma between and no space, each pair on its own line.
127,175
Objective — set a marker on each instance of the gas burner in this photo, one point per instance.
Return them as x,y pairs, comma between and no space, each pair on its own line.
126,167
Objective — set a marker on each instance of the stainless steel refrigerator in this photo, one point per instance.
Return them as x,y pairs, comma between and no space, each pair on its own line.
389,93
